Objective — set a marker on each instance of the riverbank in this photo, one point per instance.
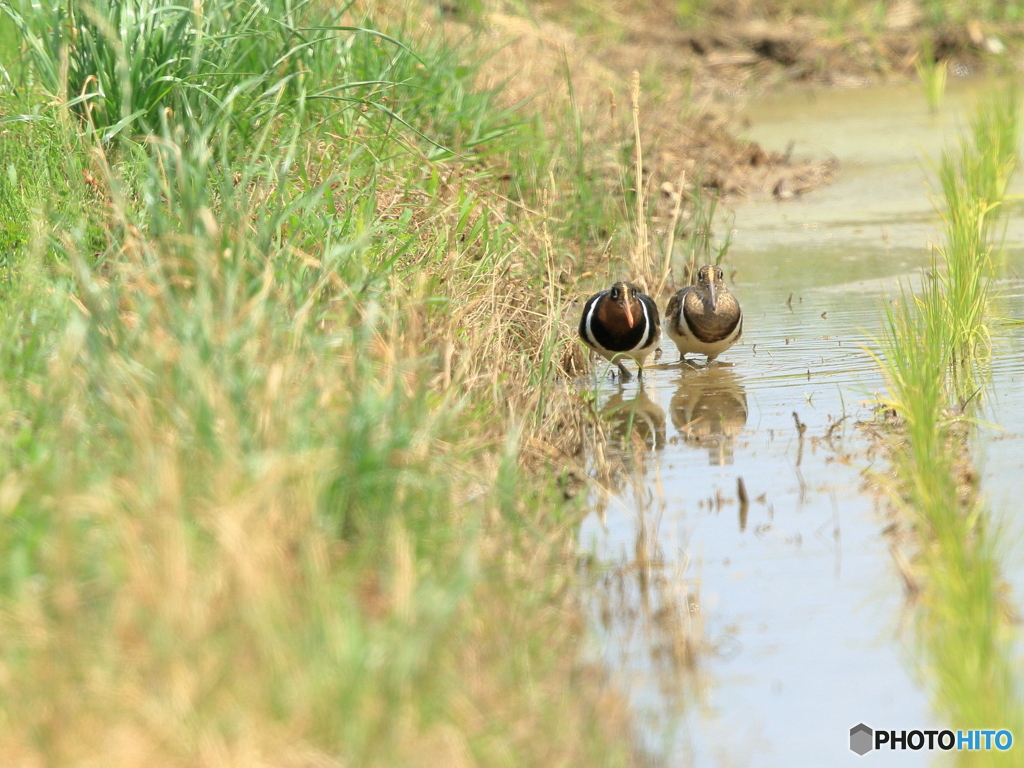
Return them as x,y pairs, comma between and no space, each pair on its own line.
277,354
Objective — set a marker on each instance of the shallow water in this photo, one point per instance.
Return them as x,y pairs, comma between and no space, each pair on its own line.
799,600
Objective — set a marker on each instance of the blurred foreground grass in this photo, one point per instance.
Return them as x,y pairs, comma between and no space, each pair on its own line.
935,355
273,343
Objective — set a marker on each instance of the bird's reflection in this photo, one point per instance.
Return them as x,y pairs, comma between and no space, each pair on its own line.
635,417
709,409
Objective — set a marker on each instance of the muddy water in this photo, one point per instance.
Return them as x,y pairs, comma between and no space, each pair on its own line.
797,610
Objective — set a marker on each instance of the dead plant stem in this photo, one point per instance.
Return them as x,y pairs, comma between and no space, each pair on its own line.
641,263
666,269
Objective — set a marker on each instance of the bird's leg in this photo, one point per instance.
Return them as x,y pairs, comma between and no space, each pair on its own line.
626,375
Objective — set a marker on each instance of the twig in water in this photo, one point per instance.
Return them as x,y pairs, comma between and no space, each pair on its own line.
741,492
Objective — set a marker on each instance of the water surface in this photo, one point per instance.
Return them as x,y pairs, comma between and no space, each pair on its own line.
803,612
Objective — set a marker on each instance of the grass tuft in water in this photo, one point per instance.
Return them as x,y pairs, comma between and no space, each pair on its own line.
934,354
932,72
974,179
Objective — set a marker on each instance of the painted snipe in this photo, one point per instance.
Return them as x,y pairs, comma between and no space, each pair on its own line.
704,318
621,322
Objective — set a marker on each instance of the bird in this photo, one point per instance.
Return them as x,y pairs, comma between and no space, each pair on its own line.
704,318
621,322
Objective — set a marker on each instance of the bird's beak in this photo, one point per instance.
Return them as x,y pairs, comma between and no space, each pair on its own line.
629,314
714,297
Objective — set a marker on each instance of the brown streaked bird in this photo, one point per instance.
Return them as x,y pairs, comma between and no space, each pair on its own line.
621,322
704,318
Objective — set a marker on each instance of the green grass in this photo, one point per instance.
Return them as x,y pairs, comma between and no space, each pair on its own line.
272,356
42,177
974,179
861,13
934,357
932,73
942,11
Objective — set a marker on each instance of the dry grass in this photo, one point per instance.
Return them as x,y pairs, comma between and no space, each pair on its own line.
213,593
280,467
650,149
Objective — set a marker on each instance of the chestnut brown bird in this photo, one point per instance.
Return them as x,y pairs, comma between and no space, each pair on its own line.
704,318
621,322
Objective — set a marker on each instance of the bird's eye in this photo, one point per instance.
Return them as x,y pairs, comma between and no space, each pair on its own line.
615,294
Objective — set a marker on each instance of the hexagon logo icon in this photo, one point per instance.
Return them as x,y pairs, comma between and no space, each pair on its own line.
861,739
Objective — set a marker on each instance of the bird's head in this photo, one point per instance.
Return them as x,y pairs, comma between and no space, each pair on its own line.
624,298
711,281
